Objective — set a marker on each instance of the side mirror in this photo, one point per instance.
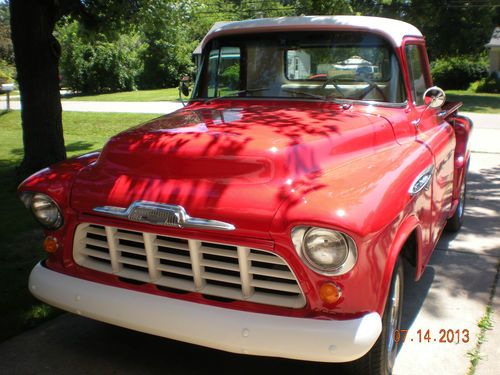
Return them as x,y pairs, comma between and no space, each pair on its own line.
184,89
184,85
434,97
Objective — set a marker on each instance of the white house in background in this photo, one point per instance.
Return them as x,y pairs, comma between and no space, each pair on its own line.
494,47
298,64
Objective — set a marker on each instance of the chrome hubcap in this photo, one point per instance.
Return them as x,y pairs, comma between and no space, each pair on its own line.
393,320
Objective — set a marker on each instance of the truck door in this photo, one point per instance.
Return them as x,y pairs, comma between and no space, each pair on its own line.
434,133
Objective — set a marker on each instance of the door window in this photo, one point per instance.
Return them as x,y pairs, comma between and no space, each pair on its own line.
223,71
418,81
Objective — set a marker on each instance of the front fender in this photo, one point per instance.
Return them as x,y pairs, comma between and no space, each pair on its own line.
56,181
367,198
409,226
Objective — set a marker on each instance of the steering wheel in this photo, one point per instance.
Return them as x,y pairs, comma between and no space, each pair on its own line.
332,80
371,86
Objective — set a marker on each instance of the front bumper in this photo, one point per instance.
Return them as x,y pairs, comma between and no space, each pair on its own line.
214,327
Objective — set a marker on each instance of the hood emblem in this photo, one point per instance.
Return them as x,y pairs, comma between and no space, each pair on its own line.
162,214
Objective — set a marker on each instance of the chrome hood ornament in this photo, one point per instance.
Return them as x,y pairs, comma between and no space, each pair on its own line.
162,214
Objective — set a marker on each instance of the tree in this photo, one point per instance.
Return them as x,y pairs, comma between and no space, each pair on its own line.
95,62
37,57
323,7
37,54
6,51
165,25
453,27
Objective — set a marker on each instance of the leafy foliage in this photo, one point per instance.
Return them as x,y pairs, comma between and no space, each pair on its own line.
6,50
452,27
487,85
166,34
7,71
323,7
167,31
458,72
96,63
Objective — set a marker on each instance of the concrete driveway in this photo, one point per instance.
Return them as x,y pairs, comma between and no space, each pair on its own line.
455,288
452,294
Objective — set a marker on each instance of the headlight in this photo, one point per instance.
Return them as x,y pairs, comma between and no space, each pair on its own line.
45,210
325,251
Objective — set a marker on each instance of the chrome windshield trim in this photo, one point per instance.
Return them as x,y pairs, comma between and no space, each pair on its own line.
422,181
301,99
162,214
371,102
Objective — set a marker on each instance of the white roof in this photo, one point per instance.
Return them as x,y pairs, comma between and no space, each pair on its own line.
495,38
215,26
393,30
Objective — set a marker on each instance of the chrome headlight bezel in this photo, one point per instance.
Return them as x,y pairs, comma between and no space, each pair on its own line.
299,235
39,204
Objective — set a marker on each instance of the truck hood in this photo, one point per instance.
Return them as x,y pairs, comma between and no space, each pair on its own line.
232,161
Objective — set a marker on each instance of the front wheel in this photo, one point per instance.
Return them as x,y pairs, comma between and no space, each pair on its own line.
380,359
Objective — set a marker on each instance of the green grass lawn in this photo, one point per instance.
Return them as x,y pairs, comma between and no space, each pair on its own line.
130,96
20,235
473,102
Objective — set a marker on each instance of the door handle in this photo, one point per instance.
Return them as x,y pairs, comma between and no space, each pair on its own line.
442,114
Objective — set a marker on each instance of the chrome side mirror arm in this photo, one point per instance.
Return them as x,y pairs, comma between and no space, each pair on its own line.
183,88
434,97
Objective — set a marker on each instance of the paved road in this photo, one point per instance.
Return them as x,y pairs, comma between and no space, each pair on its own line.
123,107
452,294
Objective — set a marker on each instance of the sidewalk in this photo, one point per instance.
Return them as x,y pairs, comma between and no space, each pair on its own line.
116,107
452,295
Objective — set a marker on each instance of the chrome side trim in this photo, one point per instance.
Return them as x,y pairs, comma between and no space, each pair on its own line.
422,181
162,214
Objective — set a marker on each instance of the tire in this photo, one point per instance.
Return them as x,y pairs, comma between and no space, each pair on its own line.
455,222
380,359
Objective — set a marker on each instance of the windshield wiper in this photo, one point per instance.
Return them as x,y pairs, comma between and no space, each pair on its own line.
235,94
306,94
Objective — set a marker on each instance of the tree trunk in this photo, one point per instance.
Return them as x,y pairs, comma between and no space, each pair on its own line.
37,61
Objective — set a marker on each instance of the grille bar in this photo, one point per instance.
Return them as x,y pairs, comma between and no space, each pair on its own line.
224,271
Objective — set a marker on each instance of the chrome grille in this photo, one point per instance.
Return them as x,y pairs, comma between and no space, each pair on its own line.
219,271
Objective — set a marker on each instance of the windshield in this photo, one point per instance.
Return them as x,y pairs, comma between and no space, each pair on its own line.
309,65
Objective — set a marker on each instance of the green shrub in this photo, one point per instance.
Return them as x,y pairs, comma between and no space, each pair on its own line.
96,63
166,27
486,85
230,77
7,72
458,72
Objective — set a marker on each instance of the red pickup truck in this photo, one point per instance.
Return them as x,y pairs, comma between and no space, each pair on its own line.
273,213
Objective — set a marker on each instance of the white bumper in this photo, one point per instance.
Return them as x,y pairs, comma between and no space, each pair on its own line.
214,327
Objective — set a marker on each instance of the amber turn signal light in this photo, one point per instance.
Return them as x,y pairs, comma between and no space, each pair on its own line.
50,244
329,293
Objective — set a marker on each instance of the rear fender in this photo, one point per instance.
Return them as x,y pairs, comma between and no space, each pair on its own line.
462,126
